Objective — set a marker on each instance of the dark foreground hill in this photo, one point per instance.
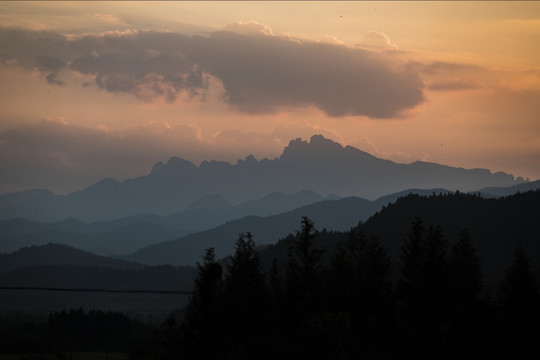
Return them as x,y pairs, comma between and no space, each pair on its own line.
41,279
57,254
321,165
496,226
151,278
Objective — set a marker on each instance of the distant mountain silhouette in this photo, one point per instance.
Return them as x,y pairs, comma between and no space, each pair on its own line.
321,165
126,235
510,190
99,238
210,202
56,254
332,214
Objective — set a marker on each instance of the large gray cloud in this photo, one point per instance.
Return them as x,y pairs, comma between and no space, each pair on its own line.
260,73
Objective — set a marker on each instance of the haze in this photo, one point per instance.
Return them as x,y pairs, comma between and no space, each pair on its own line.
90,90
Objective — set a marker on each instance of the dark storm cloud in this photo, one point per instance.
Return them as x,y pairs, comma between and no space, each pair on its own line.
260,73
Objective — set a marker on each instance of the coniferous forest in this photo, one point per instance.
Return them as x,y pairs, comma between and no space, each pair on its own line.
353,307
335,295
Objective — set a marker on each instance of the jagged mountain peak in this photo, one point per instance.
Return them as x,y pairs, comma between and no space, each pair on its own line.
250,159
318,144
319,164
175,164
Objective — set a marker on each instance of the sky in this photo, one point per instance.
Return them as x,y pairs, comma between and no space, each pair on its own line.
90,90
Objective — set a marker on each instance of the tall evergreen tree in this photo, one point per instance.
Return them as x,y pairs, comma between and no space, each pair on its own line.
203,317
464,270
520,300
468,331
304,269
423,290
244,289
372,311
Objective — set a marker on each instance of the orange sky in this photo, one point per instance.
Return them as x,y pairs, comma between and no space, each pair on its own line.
93,90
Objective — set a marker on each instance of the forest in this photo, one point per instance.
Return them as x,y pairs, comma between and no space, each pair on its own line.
353,299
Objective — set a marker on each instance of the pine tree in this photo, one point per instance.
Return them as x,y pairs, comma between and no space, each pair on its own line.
468,326
304,269
520,300
203,320
423,290
244,301
244,286
465,274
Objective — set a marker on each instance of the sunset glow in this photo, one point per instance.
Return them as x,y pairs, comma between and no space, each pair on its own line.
90,90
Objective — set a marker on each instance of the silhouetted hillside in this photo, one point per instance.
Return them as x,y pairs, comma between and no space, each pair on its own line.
126,235
166,278
336,215
100,238
496,226
56,254
320,165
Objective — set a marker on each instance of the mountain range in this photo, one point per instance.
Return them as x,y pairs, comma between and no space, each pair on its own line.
207,219
496,227
321,165
126,235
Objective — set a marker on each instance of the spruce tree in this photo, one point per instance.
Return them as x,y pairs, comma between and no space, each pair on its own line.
203,317
520,300
304,269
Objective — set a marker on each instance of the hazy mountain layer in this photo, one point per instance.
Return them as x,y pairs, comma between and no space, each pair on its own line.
126,235
337,215
320,165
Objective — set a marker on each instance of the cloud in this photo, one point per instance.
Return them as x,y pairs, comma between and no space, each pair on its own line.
260,71
263,74
51,79
441,67
447,76
106,18
454,85
63,157
248,28
50,63
377,39
366,144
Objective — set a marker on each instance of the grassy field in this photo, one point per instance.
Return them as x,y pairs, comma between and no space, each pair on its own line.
67,356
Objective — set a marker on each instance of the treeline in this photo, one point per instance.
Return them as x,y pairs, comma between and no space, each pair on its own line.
352,306
66,332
